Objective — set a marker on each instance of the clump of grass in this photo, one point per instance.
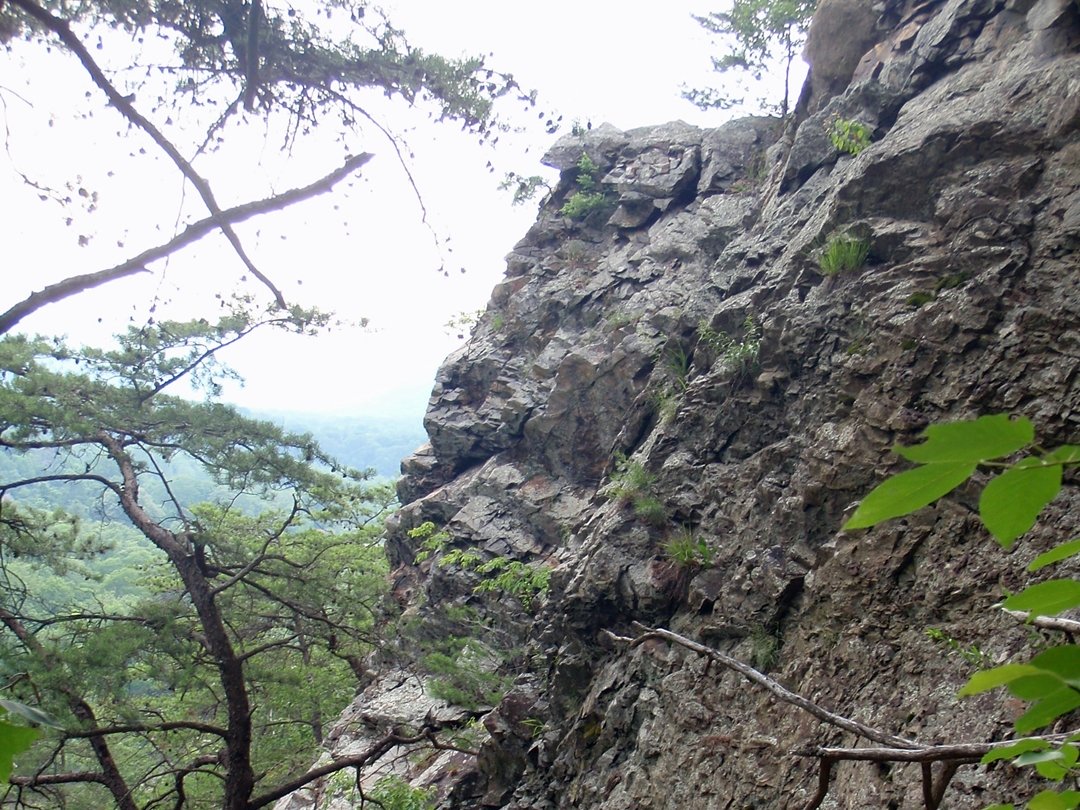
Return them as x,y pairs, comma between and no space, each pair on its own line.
843,254
688,550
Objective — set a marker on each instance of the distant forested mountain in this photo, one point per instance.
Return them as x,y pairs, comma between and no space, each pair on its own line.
377,441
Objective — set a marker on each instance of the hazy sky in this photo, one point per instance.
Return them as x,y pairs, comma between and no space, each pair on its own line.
362,251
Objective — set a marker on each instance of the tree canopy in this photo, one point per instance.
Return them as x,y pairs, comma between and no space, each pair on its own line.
754,37
203,678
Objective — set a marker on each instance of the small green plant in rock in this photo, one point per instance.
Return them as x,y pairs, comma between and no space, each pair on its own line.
972,653
432,540
849,135
535,725
394,793
843,254
666,403
630,480
650,509
520,580
617,320
688,550
587,198
740,353
632,484
677,365
764,648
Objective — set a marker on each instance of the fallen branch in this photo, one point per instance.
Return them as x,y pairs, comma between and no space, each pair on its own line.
894,748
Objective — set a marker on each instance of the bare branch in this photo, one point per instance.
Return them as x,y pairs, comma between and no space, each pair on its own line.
176,725
60,27
751,674
1046,622
193,232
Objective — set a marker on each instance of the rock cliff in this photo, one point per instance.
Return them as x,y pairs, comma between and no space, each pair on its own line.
669,408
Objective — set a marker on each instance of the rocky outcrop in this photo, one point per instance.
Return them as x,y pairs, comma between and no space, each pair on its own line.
687,335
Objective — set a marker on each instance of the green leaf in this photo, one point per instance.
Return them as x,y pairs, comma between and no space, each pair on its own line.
975,440
1010,502
1062,660
1056,554
1034,757
1046,598
1052,800
13,741
1014,750
908,491
1066,454
987,679
1046,711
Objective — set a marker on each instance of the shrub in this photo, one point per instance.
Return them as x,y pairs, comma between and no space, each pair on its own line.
586,199
741,353
463,667
849,135
432,540
843,254
629,481
394,793
632,484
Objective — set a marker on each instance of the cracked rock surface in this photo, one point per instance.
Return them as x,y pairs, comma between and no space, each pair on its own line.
606,341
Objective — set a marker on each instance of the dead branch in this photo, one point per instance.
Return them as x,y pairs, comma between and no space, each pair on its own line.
776,689
193,232
1069,626
894,748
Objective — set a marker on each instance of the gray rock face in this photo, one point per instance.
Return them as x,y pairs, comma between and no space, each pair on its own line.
603,343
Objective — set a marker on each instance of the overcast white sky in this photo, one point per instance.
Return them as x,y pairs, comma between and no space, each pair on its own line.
361,251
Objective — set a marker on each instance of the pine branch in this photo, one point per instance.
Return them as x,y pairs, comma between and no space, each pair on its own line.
193,232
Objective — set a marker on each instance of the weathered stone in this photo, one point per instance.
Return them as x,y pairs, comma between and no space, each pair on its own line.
758,401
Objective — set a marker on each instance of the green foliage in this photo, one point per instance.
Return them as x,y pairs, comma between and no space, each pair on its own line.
764,648
677,365
17,738
394,793
307,67
501,575
524,188
951,453
972,653
650,509
285,595
1009,505
739,353
587,198
632,484
848,135
843,254
466,673
523,581
754,34
432,540
688,550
